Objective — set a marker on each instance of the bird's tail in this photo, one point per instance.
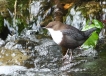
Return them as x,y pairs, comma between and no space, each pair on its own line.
88,32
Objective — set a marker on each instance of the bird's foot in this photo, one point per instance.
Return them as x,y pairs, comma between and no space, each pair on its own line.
67,59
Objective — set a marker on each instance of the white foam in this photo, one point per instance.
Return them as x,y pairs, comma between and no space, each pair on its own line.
10,69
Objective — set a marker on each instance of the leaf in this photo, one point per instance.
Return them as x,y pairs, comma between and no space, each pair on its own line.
68,5
91,41
87,27
95,23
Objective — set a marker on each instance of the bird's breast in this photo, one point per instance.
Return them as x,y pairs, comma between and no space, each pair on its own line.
56,35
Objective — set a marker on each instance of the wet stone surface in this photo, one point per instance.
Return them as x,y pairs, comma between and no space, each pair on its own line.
33,55
44,58
46,55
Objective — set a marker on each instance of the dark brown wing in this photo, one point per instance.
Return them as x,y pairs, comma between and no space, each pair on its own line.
72,37
73,33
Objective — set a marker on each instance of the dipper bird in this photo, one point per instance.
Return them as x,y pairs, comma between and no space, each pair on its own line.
68,36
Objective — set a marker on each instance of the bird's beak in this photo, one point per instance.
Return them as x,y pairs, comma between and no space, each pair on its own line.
44,27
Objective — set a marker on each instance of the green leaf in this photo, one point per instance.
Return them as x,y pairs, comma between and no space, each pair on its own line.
87,27
91,41
95,23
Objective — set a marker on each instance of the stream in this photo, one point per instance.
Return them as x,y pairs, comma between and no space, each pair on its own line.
34,53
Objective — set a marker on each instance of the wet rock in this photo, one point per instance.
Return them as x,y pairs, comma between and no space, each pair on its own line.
29,63
29,35
9,45
2,43
12,57
27,44
46,55
90,52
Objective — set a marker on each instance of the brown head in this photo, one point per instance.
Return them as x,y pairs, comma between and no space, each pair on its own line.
55,25
55,28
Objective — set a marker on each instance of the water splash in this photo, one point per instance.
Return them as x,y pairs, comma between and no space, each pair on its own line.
75,19
35,7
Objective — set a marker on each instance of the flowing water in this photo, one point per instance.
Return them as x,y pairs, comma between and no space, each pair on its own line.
34,54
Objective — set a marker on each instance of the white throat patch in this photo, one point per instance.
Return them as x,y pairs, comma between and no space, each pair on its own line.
56,35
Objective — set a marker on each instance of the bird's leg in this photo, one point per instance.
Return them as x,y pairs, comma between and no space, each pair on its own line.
70,57
66,56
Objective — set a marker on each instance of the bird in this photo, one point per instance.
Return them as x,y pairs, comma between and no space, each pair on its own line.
67,36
